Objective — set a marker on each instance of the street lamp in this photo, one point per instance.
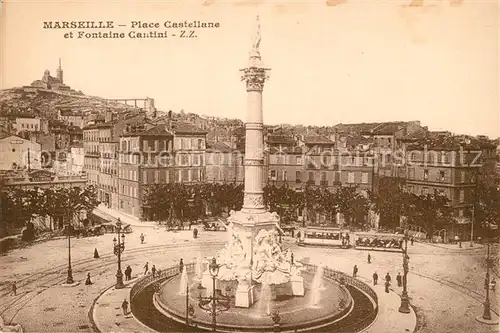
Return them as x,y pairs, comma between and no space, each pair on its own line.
118,248
405,302
214,304
69,279
489,261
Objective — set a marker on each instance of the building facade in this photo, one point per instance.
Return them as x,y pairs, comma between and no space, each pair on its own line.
19,153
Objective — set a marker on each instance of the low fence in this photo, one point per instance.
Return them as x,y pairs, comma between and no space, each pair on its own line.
361,323
341,277
162,274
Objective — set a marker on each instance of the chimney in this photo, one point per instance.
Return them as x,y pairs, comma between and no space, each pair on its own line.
169,120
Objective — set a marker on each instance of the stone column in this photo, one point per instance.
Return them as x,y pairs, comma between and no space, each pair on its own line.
254,75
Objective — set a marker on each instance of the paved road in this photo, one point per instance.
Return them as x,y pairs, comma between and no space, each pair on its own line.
445,285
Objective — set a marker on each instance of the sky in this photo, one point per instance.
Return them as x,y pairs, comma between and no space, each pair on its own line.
336,61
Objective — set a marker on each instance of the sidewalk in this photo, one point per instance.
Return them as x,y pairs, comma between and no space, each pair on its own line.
389,318
449,246
107,313
129,219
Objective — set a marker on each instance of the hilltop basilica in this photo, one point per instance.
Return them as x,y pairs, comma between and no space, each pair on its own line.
50,82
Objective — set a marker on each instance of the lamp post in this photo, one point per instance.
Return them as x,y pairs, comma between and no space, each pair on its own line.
118,248
486,311
405,302
69,278
214,304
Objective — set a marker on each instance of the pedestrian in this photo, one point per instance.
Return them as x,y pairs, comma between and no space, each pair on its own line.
125,307
181,266
388,277
142,238
96,254
87,281
128,273
387,284
493,284
153,270
355,271
375,278
14,288
399,279
369,258
146,268
195,233
411,240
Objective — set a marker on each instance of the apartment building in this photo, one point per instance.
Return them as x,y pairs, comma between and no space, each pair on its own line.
224,163
449,165
316,161
145,157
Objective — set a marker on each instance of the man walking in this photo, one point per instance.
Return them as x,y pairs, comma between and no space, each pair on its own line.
369,258
388,277
355,271
128,273
181,266
14,288
125,307
399,280
146,268
142,238
153,270
411,240
375,278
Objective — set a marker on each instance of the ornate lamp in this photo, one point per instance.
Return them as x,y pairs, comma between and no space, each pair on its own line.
213,268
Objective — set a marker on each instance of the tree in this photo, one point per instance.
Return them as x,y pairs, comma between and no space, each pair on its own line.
353,205
487,208
430,211
389,200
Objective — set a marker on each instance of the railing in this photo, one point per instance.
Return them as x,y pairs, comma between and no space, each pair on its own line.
342,277
147,280
357,326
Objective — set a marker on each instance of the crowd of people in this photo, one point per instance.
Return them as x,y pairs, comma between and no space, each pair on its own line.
375,242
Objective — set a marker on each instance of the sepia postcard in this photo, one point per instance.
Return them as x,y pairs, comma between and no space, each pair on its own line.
249,166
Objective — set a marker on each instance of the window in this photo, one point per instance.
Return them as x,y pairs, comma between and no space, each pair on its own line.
462,176
298,160
298,176
460,213
364,178
311,176
426,174
324,161
350,177
196,160
184,159
273,174
323,176
462,196
284,175
337,177
425,191
200,144
442,176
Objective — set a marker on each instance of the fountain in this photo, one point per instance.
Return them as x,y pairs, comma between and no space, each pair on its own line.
199,267
253,258
183,283
317,287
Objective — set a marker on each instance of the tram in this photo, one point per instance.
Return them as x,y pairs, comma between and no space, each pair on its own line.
334,237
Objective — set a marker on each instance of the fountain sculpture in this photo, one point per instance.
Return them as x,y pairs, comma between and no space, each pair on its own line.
252,252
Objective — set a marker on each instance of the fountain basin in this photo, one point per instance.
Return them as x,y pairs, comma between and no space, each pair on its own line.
296,313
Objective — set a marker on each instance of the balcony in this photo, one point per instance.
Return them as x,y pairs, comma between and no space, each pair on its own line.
312,166
310,182
324,183
298,181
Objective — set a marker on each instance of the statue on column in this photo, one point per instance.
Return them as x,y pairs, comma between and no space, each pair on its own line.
256,43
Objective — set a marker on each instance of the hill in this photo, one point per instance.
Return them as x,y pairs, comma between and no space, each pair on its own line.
32,102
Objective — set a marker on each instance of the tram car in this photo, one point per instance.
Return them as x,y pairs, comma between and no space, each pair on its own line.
319,236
